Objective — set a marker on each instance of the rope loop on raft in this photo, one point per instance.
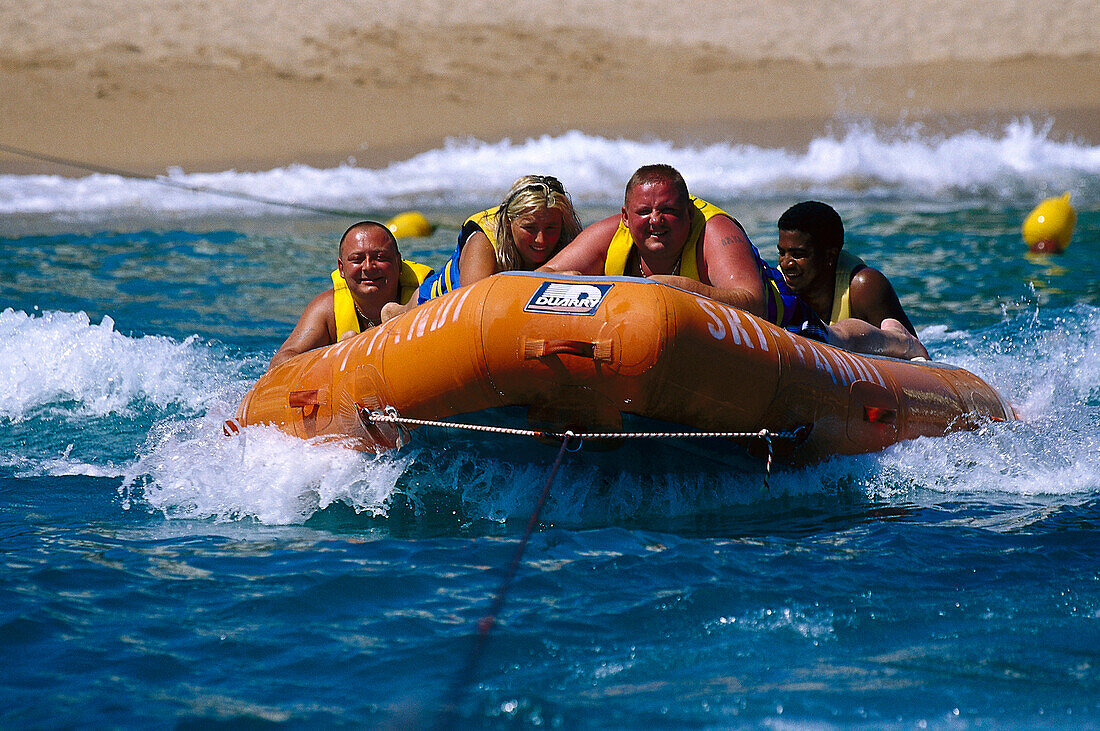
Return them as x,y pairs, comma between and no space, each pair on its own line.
391,416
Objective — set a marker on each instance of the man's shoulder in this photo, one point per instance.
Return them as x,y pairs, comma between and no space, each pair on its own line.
869,284
322,306
724,228
604,228
866,275
325,297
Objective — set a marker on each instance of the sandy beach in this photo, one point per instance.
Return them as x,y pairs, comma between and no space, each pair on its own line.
208,86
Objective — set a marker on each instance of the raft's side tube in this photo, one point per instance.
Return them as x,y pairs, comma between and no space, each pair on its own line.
643,348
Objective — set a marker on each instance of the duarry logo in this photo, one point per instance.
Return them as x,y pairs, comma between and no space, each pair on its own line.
567,299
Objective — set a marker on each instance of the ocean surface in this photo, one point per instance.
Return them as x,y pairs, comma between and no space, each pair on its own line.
157,573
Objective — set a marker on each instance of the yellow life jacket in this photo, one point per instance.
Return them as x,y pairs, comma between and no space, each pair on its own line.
448,278
621,244
781,305
846,266
343,306
486,221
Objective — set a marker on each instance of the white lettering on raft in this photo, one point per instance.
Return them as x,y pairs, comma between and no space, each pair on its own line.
738,331
380,332
858,368
419,323
717,327
843,368
821,362
736,320
461,301
441,316
756,326
424,321
849,364
798,347
344,346
866,369
846,372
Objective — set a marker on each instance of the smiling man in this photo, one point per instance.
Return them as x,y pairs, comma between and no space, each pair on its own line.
663,233
369,274
836,284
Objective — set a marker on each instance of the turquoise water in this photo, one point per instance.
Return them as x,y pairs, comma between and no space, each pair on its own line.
157,573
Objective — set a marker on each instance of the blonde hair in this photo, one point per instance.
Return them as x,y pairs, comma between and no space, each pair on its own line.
529,194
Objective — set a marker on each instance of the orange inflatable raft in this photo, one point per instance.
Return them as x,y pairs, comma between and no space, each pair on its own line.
613,355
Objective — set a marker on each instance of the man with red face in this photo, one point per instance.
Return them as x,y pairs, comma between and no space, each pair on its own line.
369,274
664,233
651,236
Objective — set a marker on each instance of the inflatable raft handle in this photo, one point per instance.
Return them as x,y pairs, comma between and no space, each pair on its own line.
598,350
302,399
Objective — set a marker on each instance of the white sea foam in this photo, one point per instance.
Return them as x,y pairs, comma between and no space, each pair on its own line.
63,465
192,470
51,359
860,161
1048,366
61,364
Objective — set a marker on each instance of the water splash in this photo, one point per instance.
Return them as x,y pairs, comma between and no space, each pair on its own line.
1047,364
61,361
189,469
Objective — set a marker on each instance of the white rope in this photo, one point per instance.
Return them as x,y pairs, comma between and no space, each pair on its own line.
392,417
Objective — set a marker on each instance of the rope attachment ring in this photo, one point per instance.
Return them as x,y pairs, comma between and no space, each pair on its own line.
396,437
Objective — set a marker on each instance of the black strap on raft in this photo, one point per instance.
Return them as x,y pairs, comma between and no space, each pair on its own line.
449,713
161,180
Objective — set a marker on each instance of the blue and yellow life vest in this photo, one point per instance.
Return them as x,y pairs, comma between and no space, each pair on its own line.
448,279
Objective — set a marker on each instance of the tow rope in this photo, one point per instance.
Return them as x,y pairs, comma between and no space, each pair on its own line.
168,182
465,678
448,715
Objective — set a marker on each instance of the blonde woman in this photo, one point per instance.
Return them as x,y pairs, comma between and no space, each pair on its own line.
535,220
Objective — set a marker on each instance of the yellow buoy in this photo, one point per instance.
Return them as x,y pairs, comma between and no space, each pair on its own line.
410,224
1049,227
